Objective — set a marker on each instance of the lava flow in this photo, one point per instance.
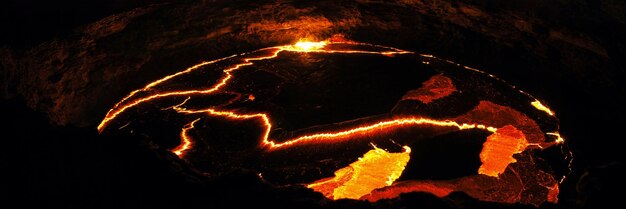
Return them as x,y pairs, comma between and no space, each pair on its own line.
376,169
374,175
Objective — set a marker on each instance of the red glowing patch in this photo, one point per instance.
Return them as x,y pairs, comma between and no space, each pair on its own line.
434,88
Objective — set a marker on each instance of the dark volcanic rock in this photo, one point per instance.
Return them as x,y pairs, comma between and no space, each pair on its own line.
77,78
567,52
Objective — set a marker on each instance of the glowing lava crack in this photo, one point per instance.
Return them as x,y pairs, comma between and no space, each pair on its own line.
122,106
323,136
374,175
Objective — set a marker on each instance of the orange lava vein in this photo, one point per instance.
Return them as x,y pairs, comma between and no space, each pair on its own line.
317,47
537,104
559,139
380,126
157,82
113,113
185,139
332,136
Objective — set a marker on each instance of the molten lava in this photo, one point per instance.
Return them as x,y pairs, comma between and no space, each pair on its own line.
376,169
330,136
307,46
185,139
559,139
499,148
537,104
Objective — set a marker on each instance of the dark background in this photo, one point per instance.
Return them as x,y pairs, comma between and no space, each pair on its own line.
46,164
31,22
